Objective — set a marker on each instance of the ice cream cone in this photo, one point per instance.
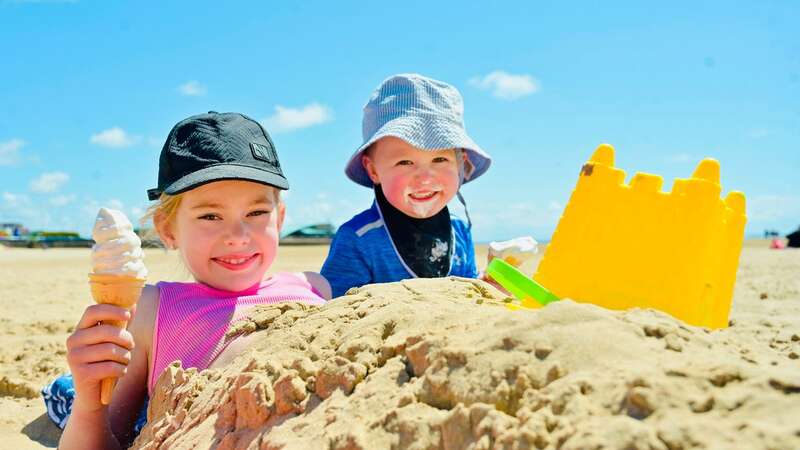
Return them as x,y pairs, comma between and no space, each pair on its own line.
117,290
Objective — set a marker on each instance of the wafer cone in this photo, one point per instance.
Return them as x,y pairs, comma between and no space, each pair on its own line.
116,290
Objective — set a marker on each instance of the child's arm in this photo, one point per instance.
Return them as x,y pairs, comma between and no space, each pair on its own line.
131,390
317,282
95,352
345,266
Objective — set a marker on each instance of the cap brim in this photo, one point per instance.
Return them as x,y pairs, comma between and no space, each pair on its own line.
222,172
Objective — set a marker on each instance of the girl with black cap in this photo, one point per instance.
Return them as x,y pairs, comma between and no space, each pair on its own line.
219,205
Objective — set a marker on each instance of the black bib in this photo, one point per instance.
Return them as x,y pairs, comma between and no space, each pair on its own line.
424,245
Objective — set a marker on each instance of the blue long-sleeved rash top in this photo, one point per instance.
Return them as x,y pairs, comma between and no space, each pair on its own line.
362,253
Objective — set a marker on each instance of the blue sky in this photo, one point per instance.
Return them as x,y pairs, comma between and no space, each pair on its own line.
89,90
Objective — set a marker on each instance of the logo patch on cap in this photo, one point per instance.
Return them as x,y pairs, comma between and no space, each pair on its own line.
264,153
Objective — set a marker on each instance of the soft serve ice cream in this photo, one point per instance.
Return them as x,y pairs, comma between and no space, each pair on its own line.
117,250
118,271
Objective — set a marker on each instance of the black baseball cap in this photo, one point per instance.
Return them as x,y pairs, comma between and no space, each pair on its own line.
214,147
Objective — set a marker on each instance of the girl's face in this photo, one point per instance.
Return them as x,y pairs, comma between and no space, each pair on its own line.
417,182
227,232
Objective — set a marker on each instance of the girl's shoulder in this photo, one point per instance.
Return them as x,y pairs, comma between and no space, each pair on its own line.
313,280
144,317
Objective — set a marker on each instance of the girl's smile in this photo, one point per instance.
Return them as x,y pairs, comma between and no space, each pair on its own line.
237,262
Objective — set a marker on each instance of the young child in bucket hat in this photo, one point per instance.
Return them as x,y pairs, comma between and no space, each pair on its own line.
416,155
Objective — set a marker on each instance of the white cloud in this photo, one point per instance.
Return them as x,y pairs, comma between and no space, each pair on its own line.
289,119
9,151
115,204
36,214
555,206
322,208
15,200
61,200
759,133
192,88
530,214
20,208
505,85
49,182
496,221
773,208
114,137
680,158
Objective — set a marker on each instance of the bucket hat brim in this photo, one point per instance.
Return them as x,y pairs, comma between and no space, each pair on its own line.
427,133
219,172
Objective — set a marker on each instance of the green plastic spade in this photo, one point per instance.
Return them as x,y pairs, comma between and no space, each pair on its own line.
522,287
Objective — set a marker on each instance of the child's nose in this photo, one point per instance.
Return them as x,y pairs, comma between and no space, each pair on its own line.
238,234
424,175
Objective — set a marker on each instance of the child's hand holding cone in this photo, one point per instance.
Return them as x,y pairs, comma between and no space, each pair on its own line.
96,352
118,272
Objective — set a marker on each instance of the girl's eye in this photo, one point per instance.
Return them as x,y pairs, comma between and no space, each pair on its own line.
260,212
404,162
209,216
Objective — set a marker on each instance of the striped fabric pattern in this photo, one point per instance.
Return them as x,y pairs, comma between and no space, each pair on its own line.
59,395
426,113
193,318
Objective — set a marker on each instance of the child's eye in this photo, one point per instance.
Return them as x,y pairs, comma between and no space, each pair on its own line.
260,212
210,216
439,159
404,162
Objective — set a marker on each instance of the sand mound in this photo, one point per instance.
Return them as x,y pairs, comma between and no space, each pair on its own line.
441,364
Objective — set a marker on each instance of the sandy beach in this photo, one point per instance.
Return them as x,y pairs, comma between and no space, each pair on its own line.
437,364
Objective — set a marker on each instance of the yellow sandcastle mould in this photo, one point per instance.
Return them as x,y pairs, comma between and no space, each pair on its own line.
622,246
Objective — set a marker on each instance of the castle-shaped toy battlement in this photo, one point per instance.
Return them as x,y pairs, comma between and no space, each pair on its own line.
623,245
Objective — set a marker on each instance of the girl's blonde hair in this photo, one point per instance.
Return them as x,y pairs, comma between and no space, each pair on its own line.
163,210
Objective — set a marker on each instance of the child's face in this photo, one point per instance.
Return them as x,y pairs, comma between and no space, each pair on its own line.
417,182
227,232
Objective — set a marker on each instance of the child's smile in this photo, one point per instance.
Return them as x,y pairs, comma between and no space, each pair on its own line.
237,262
423,196
424,203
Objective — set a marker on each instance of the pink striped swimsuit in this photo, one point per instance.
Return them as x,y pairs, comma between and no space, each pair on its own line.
192,318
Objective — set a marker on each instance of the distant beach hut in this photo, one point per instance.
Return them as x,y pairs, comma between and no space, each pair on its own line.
316,234
47,239
8,230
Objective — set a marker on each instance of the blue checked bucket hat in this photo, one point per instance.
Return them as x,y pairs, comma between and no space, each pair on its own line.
424,112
